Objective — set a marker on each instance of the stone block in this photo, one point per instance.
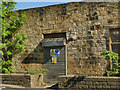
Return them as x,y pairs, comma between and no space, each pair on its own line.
95,83
92,86
89,82
105,86
22,80
115,86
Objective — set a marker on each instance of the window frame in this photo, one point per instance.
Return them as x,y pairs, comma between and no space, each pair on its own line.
112,43
110,39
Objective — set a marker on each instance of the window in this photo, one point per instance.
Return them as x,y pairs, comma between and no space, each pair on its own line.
114,44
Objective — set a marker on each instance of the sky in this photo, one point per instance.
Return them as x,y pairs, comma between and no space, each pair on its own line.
24,4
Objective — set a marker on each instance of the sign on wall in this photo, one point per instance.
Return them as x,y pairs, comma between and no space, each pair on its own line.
54,59
54,53
57,52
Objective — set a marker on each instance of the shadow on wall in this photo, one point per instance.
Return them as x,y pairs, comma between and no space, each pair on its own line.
36,56
107,48
73,81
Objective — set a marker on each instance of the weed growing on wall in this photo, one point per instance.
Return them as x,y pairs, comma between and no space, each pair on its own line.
35,71
12,41
115,71
44,71
32,72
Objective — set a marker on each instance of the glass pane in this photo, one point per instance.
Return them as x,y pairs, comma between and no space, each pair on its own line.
115,35
116,48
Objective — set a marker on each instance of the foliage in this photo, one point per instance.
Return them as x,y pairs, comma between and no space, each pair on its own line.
44,71
115,63
35,71
32,72
13,41
7,66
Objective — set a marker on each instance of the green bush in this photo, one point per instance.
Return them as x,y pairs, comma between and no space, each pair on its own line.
115,71
35,71
7,67
32,72
13,40
44,71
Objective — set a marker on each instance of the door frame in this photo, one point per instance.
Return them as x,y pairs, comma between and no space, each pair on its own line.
65,59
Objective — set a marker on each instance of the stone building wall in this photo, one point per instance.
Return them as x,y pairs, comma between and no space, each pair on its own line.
78,19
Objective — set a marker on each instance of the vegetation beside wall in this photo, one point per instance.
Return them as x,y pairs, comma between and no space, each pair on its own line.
114,63
13,40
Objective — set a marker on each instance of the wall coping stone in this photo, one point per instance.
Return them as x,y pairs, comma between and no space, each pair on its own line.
18,74
92,77
67,76
103,77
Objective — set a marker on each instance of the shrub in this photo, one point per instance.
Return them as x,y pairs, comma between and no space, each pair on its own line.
44,71
114,57
32,72
13,41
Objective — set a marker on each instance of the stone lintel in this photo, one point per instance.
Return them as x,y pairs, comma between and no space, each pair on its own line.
50,44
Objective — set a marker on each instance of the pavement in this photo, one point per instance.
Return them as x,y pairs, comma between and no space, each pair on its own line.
16,87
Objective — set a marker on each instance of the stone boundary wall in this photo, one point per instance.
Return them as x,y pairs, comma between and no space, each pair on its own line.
89,82
21,79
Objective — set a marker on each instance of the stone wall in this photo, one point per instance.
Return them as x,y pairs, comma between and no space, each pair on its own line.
78,19
89,82
22,80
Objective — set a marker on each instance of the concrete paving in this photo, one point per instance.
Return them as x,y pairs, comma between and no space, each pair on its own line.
16,87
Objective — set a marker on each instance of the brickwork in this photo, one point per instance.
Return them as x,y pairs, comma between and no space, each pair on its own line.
22,80
87,22
89,82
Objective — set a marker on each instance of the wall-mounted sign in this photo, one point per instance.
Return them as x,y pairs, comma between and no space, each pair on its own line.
54,59
57,52
52,52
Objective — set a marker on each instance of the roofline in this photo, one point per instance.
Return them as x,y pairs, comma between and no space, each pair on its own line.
46,6
59,4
